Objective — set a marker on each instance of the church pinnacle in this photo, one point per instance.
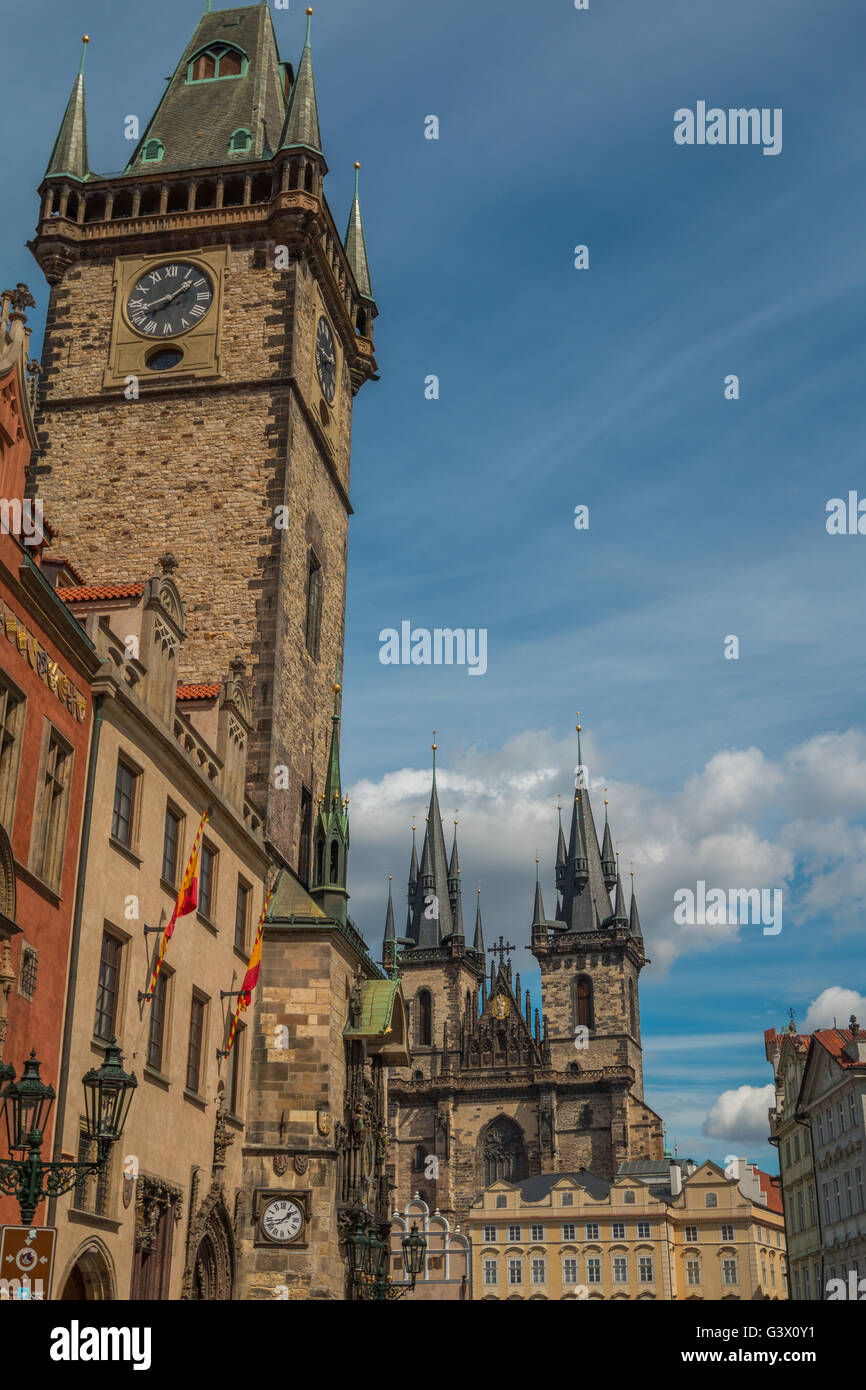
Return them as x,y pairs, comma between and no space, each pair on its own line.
302,118
69,156
356,247
331,837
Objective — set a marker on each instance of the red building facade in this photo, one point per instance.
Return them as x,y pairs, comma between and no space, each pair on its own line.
46,666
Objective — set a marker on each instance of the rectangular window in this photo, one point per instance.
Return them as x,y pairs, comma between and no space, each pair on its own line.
536,1233
840,1113
727,1233
807,1291
796,1147
620,1269
826,1191
501,1200
568,1199
828,1116
729,1272
849,1195
207,882
515,1271
820,1129
837,1199
617,1230
538,1271
644,1230
852,1111
514,1233
125,786
242,912
593,1270
692,1235
91,1193
305,840
787,1153
858,1180
314,605
170,846
236,1072
11,725
490,1276
490,1234
569,1271
108,988
773,1275
569,1231
156,1027
27,973
801,1210
49,822
196,1043
811,1205
797,1284
645,1269
592,1230
693,1272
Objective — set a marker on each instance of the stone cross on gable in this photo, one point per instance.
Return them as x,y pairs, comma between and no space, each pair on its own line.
502,950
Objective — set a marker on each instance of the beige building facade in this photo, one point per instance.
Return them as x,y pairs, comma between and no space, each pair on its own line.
791,1133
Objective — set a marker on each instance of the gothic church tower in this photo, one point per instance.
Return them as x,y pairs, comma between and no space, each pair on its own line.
207,332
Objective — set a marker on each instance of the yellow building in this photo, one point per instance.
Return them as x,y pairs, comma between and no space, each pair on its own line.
666,1231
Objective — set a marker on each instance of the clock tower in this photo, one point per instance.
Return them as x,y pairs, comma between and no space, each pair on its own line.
207,332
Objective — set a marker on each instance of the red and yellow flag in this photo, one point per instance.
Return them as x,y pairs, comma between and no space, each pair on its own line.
187,901
251,978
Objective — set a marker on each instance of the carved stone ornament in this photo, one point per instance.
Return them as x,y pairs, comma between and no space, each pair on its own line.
323,1123
281,1163
153,1197
301,1164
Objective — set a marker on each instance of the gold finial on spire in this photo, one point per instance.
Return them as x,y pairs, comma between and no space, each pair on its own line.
577,725
85,38
434,741
309,9
357,164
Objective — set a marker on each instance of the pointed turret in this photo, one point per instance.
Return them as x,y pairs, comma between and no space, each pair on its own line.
539,921
356,246
331,836
413,873
302,119
389,941
478,942
608,860
561,854
585,897
620,916
634,916
69,156
457,910
432,918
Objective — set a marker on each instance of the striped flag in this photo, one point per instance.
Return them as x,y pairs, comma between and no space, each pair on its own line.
251,978
187,900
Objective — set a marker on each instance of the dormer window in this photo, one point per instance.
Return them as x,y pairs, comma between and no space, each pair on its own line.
152,152
219,60
240,141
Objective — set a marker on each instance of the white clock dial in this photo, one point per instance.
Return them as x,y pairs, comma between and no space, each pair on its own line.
282,1220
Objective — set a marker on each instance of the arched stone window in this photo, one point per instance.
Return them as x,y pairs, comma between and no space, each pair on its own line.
502,1151
335,861
424,1017
582,1002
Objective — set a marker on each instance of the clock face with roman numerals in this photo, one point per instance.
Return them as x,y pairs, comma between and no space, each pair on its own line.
282,1220
326,359
169,299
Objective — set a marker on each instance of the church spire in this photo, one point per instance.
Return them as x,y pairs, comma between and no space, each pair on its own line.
634,916
389,941
69,156
432,917
561,852
331,838
356,246
538,917
608,859
302,118
585,896
620,917
478,943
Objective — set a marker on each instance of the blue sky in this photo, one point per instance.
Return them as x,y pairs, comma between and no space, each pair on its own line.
602,387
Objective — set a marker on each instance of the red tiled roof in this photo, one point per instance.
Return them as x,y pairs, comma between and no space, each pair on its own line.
771,1190
83,593
834,1039
208,691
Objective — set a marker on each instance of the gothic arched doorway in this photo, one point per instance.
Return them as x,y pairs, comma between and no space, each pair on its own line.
213,1263
90,1278
502,1152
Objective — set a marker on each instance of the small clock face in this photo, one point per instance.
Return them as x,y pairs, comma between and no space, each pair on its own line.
170,299
326,360
282,1219
499,1007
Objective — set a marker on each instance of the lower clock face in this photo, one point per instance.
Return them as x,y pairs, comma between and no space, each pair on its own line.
170,299
282,1220
326,360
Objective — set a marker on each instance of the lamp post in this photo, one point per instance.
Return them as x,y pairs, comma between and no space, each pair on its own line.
368,1259
26,1106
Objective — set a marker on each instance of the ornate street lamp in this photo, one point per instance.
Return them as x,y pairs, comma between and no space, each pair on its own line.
26,1105
368,1260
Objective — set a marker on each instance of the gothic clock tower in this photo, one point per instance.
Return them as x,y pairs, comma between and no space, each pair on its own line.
207,332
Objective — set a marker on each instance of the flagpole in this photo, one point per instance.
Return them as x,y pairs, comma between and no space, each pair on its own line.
253,962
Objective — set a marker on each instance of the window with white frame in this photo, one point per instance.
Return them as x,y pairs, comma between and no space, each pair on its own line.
569,1270
569,1230
592,1230
539,1275
620,1269
514,1233
729,1272
644,1230
490,1275
490,1234
645,1269
515,1271
727,1233
691,1235
536,1232
617,1230
712,1200
593,1269
693,1272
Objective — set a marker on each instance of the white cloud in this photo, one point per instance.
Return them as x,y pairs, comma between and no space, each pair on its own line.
740,1115
834,1003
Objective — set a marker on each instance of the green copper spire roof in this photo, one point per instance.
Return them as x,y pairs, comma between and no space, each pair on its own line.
302,120
356,247
390,933
69,155
332,779
197,116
